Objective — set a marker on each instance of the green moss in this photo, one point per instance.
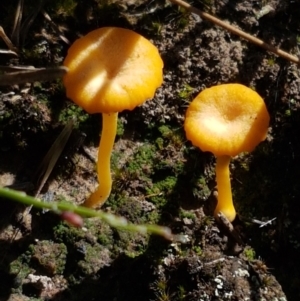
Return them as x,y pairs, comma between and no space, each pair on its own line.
95,258
106,10
104,240
271,61
172,136
92,245
181,293
207,221
116,199
20,269
186,92
142,160
49,257
197,250
160,143
162,290
36,53
200,188
20,266
183,19
268,281
160,190
156,27
115,160
165,131
153,217
72,111
249,253
208,3
66,234
61,7
120,128
187,214
5,115
130,243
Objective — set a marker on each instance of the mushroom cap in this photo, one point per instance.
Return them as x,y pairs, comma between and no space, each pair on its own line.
226,120
112,69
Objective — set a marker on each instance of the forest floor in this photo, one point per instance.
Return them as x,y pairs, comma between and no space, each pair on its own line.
159,177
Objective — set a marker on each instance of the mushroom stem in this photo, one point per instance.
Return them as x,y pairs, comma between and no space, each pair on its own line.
109,130
225,203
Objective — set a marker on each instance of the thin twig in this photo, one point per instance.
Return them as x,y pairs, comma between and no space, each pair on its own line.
16,68
214,262
29,21
8,52
256,221
15,35
45,168
49,161
238,32
7,41
41,74
229,227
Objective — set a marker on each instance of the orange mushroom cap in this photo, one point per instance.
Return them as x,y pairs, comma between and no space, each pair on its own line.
106,76
227,119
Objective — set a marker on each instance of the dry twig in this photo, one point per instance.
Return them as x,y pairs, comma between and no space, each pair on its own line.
20,29
229,228
237,31
15,34
8,42
41,74
49,161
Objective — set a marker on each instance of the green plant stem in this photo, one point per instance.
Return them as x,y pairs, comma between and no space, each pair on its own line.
58,207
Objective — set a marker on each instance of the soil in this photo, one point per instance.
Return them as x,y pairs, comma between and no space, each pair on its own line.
159,177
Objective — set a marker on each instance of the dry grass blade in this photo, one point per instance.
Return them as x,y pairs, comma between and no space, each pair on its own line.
15,68
42,74
7,41
28,22
20,29
44,170
8,52
55,27
237,31
15,35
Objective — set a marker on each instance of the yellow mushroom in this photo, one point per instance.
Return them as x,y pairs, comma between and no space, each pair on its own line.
111,69
226,120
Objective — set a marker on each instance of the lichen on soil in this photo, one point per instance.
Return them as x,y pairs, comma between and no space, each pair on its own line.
159,177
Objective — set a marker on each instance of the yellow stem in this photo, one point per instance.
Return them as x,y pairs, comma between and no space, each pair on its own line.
225,204
109,130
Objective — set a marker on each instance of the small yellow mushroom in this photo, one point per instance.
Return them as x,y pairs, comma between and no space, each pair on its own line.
111,69
226,120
